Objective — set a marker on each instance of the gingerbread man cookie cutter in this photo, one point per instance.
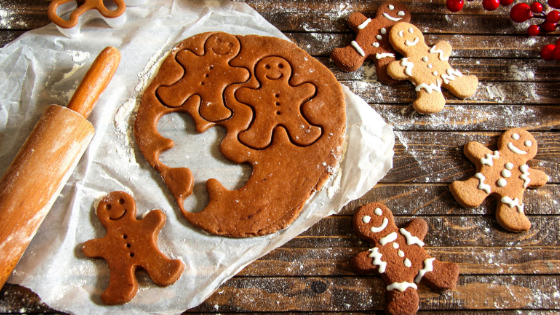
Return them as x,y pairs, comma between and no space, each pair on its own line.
78,12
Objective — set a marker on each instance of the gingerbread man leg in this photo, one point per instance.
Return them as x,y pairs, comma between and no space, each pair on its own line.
164,271
469,193
511,214
464,86
122,284
428,103
443,277
402,303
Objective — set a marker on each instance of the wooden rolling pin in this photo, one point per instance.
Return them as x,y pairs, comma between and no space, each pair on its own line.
45,162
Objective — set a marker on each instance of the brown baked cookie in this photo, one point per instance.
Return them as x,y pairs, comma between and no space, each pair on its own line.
397,255
288,122
427,68
372,40
128,244
504,174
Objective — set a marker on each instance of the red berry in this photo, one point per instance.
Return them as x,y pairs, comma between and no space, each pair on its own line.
536,7
490,5
549,27
454,5
505,3
553,16
547,52
554,3
521,12
556,53
533,30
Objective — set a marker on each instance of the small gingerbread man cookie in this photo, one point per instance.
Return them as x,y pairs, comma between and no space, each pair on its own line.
503,173
427,68
372,40
399,257
128,244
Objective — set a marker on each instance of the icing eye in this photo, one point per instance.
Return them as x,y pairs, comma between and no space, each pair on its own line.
410,30
401,13
383,31
378,211
366,219
528,143
401,34
515,136
379,37
509,166
391,7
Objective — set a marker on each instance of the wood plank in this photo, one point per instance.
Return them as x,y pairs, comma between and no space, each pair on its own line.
317,262
8,36
241,294
18,299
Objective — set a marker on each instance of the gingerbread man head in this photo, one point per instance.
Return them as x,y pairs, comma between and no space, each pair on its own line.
109,210
374,223
393,11
272,69
405,38
518,142
223,44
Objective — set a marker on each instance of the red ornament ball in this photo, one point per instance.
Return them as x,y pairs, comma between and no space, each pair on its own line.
536,7
553,16
549,27
454,5
521,12
490,5
554,3
533,30
556,53
505,3
547,52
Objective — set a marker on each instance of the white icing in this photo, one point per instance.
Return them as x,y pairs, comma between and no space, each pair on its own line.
395,245
379,37
489,157
528,143
514,149
442,57
502,182
513,203
387,239
425,59
391,7
411,30
506,173
435,73
388,17
401,286
400,253
411,239
412,43
407,263
383,31
451,75
363,25
377,259
509,165
401,34
381,227
409,65
401,13
482,185
375,44
358,48
428,266
525,176
378,211
430,66
515,136
366,219
384,55
429,88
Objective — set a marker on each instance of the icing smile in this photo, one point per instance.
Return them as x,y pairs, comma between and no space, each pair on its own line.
411,43
387,16
514,149
381,227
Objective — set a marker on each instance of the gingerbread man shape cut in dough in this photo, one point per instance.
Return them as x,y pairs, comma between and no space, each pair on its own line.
372,40
277,103
128,244
399,257
503,173
427,68
211,73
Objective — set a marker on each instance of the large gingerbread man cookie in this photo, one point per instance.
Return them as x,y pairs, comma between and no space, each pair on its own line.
287,120
399,257
128,244
427,68
372,40
503,173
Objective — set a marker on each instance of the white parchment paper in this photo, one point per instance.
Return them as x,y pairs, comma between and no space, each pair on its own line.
42,67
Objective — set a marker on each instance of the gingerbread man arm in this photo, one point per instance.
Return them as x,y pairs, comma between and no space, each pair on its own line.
397,71
537,178
94,248
355,20
362,263
417,227
155,219
443,277
443,49
475,151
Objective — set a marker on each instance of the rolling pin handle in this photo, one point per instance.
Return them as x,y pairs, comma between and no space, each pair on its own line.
95,81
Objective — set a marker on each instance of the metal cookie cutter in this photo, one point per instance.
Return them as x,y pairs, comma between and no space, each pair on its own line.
83,11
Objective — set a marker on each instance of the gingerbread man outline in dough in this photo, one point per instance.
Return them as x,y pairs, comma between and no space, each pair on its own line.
427,68
497,172
219,50
125,248
399,257
371,40
279,104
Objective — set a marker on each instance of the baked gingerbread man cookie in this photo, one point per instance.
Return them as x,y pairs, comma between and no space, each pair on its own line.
399,257
372,40
427,68
503,173
128,244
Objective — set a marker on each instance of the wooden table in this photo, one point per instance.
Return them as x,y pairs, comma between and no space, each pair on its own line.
501,272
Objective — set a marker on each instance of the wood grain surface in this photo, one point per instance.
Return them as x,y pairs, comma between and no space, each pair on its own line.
502,273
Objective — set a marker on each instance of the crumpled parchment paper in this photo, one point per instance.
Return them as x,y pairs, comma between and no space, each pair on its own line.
42,67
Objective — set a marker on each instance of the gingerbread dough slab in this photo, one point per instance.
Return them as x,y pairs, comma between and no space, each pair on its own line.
284,113
504,174
128,244
399,257
372,40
